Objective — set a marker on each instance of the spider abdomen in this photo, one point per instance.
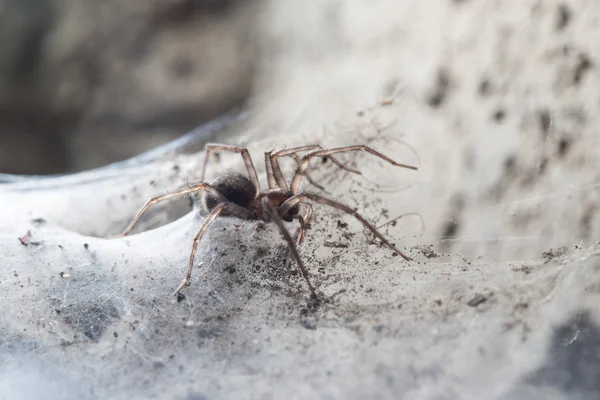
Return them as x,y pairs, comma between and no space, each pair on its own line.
236,188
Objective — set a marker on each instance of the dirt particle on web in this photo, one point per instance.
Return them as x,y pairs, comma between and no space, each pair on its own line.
261,252
551,254
335,245
428,252
230,269
477,300
521,306
309,323
526,269
25,238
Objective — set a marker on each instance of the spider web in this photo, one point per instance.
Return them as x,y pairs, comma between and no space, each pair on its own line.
502,295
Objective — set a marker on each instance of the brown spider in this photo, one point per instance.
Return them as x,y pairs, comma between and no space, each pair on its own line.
235,195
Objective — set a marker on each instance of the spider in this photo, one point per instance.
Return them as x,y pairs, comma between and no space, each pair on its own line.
239,196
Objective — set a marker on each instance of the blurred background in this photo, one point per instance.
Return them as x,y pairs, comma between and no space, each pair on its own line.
86,83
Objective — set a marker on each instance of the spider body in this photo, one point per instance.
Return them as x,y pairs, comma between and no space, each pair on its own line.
240,196
240,190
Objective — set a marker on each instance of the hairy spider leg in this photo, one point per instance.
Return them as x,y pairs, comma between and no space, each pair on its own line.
271,181
309,212
276,178
295,185
292,201
272,212
292,152
209,148
302,229
232,208
314,147
296,158
271,158
167,196
304,222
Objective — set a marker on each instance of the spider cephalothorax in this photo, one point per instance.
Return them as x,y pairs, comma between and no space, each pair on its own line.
235,195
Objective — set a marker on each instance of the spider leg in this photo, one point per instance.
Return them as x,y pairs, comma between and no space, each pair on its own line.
304,222
209,148
292,151
231,207
273,184
157,199
309,212
311,147
272,212
273,165
295,185
296,158
302,229
292,201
